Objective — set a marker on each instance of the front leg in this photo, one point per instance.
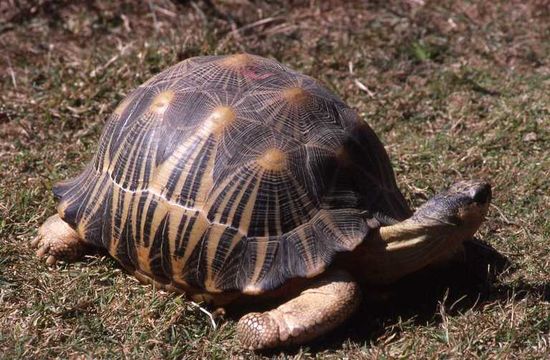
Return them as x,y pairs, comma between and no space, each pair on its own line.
56,240
325,304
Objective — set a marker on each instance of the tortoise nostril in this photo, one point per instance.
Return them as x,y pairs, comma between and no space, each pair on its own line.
482,193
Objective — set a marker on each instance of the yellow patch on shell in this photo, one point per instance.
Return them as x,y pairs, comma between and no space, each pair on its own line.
272,159
295,95
221,117
236,61
162,101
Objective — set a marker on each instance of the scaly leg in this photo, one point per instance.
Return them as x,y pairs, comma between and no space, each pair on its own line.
325,304
56,240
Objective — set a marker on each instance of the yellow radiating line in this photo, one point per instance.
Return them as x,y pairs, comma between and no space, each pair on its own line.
214,237
161,174
227,197
125,208
237,237
214,193
71,194
178,264
261,174
279,226
114,238
100,197
123,105
176,217
134,216
126,199
103,163
97,196
158,214
122,146
246,216
143,219
213,243
295,217
185,172
205,183
325,217
200,226
134,151
142,250
302,235
116,157
261,252
143,165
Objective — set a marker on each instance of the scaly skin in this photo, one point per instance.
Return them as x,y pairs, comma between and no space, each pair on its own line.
326,303
56,240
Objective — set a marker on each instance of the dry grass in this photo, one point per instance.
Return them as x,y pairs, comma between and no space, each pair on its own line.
456,89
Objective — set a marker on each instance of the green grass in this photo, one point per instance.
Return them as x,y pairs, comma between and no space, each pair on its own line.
456,89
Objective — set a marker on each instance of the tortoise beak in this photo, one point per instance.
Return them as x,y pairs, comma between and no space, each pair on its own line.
478,195
481,193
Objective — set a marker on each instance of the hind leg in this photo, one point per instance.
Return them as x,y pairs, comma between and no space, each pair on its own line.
56,240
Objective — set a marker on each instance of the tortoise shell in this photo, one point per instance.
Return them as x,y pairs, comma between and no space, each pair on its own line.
231,173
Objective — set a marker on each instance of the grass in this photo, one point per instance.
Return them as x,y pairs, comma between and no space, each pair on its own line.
456,89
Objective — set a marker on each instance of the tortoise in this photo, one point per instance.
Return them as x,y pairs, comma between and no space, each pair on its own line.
229,178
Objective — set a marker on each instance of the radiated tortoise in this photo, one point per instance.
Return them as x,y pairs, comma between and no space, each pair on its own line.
231,177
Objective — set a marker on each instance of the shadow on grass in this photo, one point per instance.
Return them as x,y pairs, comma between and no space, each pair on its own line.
417,299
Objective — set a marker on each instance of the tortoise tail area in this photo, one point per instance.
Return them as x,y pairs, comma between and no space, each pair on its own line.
81,202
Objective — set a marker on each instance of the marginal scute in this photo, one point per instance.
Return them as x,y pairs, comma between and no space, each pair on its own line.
162,101
295,95
272,159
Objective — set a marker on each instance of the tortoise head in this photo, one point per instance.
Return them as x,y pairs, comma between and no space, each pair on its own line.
433,234
457,211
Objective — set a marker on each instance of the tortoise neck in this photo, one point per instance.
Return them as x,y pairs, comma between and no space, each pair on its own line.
400,233
403,248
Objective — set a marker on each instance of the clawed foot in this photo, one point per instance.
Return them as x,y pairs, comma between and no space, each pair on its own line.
56,240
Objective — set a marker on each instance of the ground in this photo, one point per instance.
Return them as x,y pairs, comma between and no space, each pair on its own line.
455,89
